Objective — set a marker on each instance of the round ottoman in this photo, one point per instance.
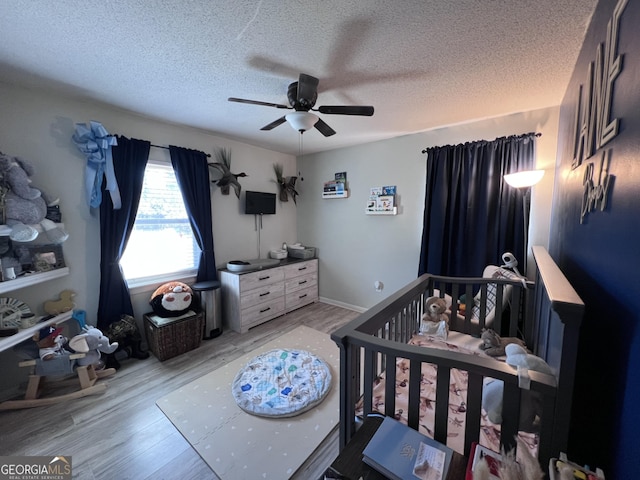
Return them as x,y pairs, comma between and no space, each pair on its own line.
281,383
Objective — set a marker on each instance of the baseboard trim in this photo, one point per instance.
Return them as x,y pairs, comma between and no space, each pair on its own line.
342,304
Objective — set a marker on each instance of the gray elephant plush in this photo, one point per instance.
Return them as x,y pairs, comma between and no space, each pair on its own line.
25,207
93,343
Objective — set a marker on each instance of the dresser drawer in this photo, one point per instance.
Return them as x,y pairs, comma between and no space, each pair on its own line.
261,294
257,314
252,280
300,283
300,298
301,268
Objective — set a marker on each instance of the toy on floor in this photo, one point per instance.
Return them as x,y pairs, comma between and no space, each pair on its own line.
434,321
126,333
494,345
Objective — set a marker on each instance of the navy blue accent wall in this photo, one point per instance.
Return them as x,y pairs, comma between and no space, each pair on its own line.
601,257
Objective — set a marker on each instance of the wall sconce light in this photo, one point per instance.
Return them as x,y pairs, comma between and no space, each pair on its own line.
524,181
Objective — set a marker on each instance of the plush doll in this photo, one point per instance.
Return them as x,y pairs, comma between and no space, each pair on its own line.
25,206
434,321
171,299
125,332
50,342
93,343
494,345
492,392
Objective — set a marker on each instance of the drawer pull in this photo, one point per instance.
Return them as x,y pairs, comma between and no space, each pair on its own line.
302,296
264,278
264,294
302,268
302,282
265,310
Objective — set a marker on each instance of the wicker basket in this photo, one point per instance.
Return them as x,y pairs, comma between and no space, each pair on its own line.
304,253
170,337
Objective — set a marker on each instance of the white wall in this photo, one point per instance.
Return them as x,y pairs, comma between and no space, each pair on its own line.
38,126
356,250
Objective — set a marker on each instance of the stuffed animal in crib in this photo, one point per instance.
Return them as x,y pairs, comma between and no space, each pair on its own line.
171,299
434,321
92,342
519,358
50,342
494,345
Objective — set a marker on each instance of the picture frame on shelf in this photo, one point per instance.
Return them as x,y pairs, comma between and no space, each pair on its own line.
47,257
40,258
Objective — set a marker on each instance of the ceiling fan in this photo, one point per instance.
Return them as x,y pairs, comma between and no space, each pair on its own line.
302,96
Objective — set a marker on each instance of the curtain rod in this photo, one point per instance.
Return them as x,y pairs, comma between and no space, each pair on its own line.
535,135
167,148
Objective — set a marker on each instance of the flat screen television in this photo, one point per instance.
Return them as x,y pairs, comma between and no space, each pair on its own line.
260,203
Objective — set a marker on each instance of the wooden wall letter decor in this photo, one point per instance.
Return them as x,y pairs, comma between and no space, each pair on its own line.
592,124
594,196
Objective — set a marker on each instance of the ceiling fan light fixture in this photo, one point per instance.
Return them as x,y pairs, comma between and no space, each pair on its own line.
301,121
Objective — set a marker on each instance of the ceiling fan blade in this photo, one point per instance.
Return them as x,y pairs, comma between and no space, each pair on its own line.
324,129
346,110
307,90
274,124
255,102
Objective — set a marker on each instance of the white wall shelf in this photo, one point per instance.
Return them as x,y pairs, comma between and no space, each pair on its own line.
343,194
32,279
8,342
383,212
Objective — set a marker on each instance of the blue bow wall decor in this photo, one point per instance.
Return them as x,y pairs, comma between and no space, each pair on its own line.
95,142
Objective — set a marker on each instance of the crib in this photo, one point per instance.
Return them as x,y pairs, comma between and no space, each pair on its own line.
379,356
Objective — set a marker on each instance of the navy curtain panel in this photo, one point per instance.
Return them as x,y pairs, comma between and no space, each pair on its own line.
192,174
471,216
129,161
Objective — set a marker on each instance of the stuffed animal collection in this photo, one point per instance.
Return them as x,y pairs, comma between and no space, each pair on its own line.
25,206
171,299
434,321
494,345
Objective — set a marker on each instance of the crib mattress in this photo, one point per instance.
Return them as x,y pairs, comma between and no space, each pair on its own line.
282,383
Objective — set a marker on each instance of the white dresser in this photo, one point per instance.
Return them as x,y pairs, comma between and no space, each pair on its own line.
249,299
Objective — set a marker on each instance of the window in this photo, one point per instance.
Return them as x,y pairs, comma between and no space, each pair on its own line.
162,242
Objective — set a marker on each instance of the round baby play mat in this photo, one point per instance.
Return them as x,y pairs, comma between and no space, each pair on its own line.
281,383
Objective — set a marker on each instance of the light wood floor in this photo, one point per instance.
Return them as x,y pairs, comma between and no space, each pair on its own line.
121,434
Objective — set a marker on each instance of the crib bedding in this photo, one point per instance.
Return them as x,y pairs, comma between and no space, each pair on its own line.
456,342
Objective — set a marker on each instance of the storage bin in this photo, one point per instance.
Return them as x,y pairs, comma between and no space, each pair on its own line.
172,336
304,253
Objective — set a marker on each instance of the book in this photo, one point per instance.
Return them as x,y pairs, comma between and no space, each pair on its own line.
493,459
402,453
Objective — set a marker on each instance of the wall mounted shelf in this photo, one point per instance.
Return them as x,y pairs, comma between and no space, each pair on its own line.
383,212
342,194
32,279
8,342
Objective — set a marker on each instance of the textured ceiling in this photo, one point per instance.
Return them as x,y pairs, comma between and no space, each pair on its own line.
422,64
